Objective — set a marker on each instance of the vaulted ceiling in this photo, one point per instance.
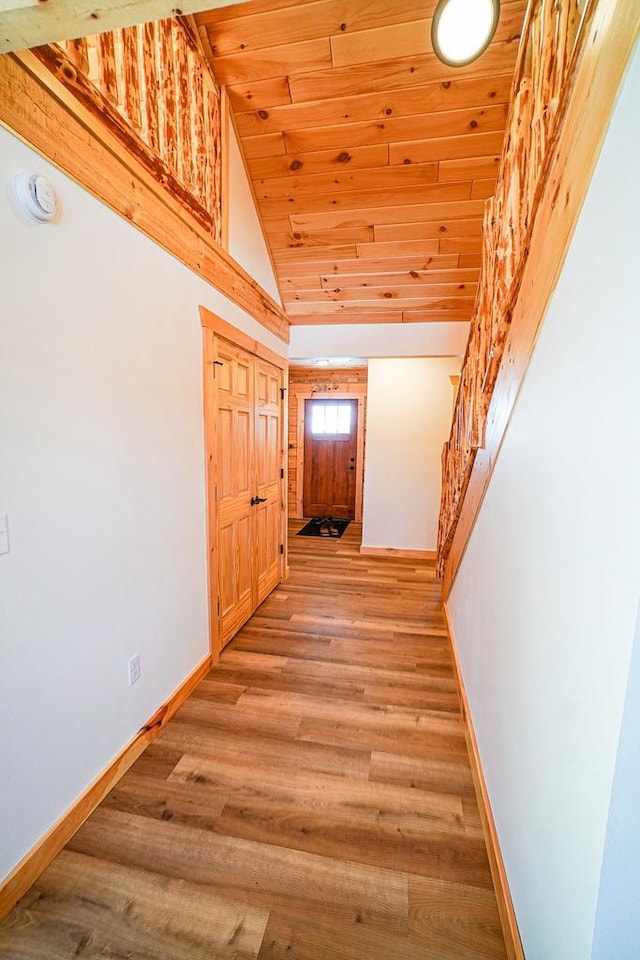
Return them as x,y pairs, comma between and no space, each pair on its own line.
370,159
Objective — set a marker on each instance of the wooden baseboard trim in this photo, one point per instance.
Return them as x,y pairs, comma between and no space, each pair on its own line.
25,874
397,552
513,943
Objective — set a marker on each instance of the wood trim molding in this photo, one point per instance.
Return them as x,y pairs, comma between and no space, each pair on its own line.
29,25
608,46
44,114
211,321
208,393
225,121
398,552
513,943
49,846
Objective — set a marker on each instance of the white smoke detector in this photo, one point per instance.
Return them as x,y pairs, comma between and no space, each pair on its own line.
36,197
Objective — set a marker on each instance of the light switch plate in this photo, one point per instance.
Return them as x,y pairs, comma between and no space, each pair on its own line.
4,533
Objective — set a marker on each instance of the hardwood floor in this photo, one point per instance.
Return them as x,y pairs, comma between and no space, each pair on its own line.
311,800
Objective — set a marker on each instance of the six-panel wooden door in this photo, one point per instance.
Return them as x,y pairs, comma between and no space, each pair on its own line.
247,489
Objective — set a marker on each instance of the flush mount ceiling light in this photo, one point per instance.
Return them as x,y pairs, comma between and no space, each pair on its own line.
462,30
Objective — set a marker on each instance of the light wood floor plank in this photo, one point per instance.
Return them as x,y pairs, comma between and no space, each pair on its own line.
312,799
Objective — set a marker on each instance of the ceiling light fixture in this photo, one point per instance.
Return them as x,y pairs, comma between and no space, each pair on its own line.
462,30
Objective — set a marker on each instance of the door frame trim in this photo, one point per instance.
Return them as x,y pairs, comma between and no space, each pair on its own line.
352,392
213,325
211,321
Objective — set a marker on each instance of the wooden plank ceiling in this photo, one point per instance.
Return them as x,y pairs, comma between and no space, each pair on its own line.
370,160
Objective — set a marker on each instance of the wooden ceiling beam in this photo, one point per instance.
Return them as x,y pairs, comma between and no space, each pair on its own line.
30,23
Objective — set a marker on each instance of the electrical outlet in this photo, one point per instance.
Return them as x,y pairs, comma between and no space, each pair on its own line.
134,669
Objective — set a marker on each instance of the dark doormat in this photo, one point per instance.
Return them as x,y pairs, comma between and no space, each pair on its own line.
324,527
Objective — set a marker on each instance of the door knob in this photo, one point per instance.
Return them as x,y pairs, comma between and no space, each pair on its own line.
256,500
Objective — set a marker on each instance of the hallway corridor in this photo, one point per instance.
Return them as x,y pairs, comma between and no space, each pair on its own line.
312,799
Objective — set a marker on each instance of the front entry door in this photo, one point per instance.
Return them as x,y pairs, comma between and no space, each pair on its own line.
330,450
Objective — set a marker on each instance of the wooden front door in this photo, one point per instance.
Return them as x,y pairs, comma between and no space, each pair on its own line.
330,450
247,489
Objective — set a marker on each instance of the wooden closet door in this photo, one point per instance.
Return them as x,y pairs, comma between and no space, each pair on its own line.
267,535
248,483
234,486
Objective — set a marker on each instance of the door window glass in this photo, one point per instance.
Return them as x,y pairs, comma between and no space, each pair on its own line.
331,418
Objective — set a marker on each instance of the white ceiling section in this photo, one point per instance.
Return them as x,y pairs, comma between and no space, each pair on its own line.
379,340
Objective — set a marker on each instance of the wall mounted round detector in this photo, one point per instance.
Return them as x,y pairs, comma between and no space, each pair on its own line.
36,197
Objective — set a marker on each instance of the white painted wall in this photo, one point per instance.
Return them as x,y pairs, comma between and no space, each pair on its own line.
409,404
246,242
379,340
102,476
617,928
545,603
